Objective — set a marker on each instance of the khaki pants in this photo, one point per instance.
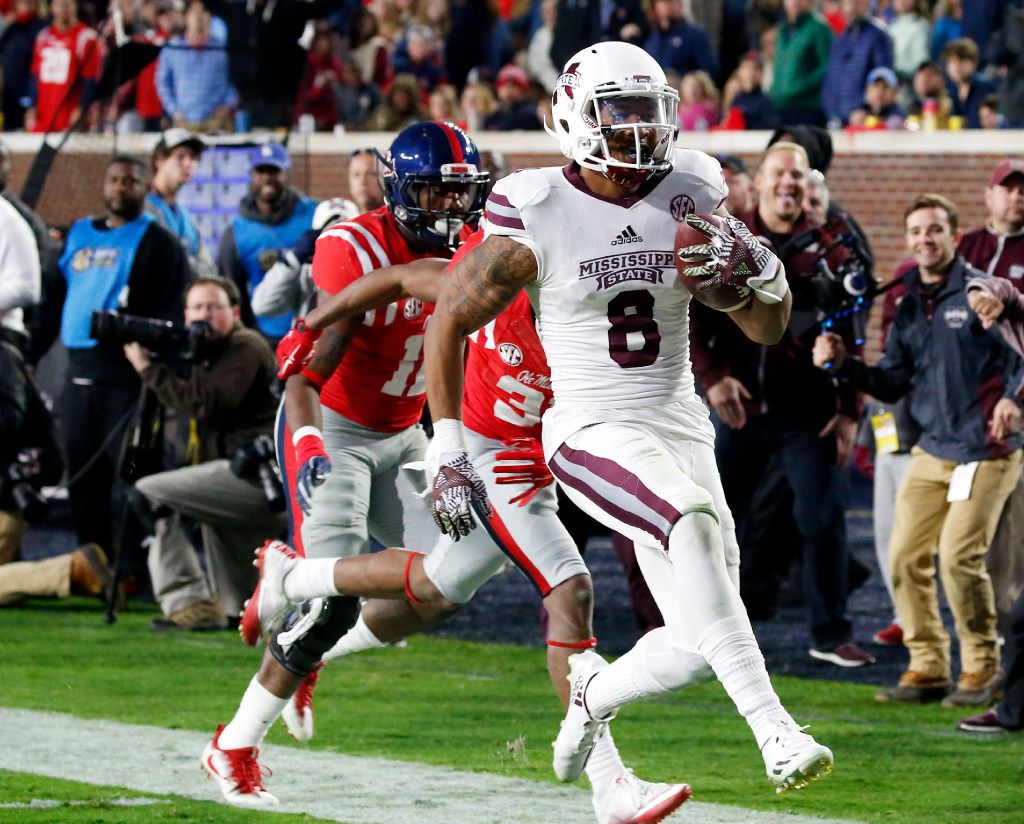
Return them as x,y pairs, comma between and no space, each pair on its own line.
235,520
960,533
49,578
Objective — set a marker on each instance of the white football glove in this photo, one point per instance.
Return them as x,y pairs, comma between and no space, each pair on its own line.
456,488
734,250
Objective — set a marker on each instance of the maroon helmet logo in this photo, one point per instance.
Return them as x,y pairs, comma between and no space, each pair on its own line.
681,206
568,80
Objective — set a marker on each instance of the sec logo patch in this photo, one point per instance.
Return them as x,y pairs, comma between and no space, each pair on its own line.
681,206
511,354
413,308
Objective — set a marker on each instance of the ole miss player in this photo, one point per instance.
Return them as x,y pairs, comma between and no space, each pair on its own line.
354,425
507,389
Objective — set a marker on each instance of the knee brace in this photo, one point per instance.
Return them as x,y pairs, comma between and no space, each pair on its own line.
300,647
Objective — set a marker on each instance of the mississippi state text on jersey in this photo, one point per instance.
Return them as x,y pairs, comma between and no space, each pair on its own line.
380,382
607,295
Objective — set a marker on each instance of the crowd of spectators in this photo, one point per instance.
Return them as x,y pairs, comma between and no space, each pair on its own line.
222,66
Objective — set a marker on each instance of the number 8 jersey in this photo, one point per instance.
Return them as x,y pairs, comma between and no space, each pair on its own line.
611,314
380,382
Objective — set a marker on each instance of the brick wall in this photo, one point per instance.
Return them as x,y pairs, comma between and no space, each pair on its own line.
872,185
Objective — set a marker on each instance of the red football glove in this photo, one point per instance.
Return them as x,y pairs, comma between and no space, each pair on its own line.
295,349
528,468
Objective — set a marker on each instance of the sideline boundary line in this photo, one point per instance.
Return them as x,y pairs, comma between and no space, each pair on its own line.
345,788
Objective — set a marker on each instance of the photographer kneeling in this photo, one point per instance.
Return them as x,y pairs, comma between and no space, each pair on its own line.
225,406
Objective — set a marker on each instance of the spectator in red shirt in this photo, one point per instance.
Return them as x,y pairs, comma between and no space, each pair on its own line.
317,89
66,66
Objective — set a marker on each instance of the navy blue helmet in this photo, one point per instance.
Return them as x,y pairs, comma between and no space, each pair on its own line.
433,181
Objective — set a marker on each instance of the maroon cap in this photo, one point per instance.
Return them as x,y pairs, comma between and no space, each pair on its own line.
514,75
1006,168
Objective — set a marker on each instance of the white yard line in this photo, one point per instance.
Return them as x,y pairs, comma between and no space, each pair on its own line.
344,788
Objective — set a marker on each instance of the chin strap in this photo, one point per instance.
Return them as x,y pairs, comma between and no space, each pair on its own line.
590,643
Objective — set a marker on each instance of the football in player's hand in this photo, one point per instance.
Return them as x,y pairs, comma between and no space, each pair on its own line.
704,263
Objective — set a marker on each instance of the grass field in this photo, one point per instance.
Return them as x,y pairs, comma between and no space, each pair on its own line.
461,705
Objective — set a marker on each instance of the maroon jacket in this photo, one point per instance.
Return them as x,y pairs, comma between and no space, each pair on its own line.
998,255
781,379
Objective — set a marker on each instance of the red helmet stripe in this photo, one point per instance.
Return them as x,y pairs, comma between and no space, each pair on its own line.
453,141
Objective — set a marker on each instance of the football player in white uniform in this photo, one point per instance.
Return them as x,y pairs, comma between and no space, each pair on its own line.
627,437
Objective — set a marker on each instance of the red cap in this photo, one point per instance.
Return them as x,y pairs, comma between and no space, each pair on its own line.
1006,168
514,75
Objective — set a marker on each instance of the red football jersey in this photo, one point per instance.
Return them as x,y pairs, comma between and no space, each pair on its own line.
60,62
508,383
380,382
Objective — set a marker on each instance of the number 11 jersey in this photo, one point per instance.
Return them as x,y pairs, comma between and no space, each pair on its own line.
380,382
612,315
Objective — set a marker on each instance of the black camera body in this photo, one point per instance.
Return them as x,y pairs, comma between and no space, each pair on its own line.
22,479
169,342
257,461
839,293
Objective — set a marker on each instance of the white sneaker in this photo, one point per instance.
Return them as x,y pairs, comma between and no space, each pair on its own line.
579,731
298,712
794,759
631,801
238,774
263,612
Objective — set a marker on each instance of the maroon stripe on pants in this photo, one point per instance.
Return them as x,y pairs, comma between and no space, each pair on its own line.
614,474
578,458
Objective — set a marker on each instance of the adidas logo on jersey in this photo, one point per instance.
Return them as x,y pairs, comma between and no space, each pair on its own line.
627,235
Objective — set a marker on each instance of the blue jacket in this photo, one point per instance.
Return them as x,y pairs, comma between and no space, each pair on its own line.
684,48
953,369
250,238
855,52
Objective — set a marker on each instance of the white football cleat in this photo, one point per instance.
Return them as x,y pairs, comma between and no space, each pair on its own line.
629,800
238,774
268,605
579,731
793,759
298,712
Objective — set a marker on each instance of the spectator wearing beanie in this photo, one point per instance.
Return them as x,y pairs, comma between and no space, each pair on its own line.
517,110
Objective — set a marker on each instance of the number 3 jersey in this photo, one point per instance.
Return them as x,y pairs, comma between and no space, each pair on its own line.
611,313
379,383
507,385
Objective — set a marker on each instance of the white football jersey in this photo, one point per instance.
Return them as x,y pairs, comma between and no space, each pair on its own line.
611,312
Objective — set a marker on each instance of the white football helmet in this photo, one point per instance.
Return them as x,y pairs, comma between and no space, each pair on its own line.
615,91
328,212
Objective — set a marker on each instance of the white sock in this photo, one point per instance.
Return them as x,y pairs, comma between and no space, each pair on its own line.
311,578
604,765
357,639
731,649
258,710
653,667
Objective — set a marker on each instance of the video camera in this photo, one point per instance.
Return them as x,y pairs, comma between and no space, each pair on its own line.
256,460
844,289
169,342
21,481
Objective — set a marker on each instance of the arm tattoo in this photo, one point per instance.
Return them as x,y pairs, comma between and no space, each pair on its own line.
487,280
